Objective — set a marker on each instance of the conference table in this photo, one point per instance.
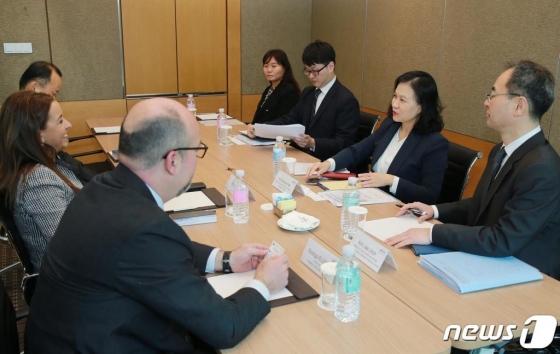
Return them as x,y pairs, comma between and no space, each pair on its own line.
404,310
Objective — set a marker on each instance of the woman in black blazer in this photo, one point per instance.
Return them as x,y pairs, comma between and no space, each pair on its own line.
283,92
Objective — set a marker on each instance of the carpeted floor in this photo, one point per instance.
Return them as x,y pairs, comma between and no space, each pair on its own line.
12,281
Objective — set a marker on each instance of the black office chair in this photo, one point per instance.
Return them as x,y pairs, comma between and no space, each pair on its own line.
9,340
368,122
10,231
460,160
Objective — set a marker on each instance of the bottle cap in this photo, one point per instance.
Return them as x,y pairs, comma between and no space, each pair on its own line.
348,251
221,110
240,173
190,95
279,138
352,180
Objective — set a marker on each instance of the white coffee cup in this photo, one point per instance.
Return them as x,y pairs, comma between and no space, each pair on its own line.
356,215
289,165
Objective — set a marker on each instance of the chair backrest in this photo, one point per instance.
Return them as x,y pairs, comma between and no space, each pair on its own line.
367,124
9,340
460,160
9,229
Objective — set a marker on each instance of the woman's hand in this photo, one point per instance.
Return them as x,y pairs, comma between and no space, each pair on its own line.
373,179
320,167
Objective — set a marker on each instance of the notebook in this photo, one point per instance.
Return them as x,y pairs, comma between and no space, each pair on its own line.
420,250
465,272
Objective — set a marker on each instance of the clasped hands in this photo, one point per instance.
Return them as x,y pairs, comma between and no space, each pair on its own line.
303,140
272,272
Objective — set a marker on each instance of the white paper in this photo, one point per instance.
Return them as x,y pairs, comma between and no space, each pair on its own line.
187,201
107,130
228,284
316,197
302,167
209,116
367,196
371,252
236,141
272,131
314,255
195,220
389,227
213,123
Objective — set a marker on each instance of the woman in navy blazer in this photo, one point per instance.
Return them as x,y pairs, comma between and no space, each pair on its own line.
409,154
282,93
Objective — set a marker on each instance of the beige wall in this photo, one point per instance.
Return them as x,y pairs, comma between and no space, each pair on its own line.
270,24
463,44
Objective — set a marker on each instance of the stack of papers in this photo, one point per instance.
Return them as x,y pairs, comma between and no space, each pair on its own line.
107,130
189,201
465,272
242,136
367,196
209,116
272,131
195,217
389,227
228,284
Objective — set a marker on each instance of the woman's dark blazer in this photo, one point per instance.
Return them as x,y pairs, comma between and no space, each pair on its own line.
284,97
420,163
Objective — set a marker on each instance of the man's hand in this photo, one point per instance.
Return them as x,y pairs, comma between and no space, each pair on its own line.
304,141
414,236
273,273
247,257
420,206
320,167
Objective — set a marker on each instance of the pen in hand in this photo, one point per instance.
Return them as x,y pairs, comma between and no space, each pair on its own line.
414,211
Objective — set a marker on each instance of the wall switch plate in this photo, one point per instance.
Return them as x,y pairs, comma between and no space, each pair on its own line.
18,48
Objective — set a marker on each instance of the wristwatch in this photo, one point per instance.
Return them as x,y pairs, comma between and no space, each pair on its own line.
226,267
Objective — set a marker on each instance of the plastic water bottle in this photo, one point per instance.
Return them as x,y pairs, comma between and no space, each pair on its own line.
221,120
347,286
191,106
240,199
278,153
351,197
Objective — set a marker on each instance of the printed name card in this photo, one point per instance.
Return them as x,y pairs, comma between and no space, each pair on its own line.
314,255
371,252
284,182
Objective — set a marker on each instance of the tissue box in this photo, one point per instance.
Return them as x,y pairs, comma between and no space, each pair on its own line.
277,197
284,207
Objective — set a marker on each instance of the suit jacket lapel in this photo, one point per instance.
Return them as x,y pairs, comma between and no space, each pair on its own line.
407,148
384,142
488,193
326,101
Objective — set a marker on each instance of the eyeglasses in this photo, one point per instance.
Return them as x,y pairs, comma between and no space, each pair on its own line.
490,95
314,72
200,150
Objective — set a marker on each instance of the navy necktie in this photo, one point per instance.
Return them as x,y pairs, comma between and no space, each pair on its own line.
314,107
497,163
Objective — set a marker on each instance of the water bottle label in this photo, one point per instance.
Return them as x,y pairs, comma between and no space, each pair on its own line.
219,123
191,106
278,154
240,196
352,284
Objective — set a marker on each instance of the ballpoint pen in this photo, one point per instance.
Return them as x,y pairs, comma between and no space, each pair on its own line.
414,211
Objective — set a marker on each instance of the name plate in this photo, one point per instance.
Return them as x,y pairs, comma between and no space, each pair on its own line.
284,182
371,252
314,255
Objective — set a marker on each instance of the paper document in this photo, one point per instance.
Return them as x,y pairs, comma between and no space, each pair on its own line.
272,131
227,284
367,196
209,116
213,123
107,130
389,227
187,201
302,167
465,272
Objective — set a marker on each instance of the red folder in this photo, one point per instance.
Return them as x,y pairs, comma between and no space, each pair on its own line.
338,175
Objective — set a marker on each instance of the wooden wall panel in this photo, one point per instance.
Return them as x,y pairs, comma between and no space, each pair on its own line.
234,57
270,24
150,51
201,45
86,46
343,25
76,112
21,21
479,38
402,35
249,106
